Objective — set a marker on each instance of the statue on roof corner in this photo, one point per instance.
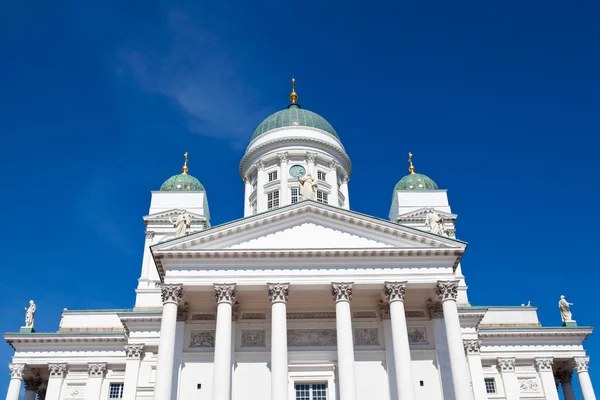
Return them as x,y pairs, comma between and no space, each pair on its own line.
435,223
565,312
29,314
308,189
181,224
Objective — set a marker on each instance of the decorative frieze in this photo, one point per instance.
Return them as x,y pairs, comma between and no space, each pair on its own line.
544,363
417,335
278,292
311,337
254,315
383,309
435,309
506,364
16,371
203,317
364,314
341,291
472,346
310,315
171,293
202,338
447,290
529,385
366,337
96,370
253,338
581,363
414,314
225,293
394,291
57,370
134,351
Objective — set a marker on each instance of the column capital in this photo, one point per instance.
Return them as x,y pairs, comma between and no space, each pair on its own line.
225,293
149,234
279,292
544,363
472,346
383,310
333,165
57,370
171,293
134,351
182,312
447,290
16,371
341,291
96,370
259,165
345,179
507,364
435,309
394,291
311,157
564,375
283,157
33,383
581,363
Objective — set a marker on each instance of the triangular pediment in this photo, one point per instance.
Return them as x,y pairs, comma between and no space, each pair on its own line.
308,225
165,216
421,214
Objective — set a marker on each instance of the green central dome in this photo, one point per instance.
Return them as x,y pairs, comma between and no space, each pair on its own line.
182,183
416,181
294,116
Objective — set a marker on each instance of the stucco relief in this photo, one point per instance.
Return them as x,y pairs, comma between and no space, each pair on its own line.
253,338
528,385
75,391
417,335
366,337
364,314
310,315
202,339
204,317
311,337
254,315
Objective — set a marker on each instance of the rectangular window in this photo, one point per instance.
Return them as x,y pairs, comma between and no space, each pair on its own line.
272,176
321,175
311,391
115,391
273,200
321,196
490,385
295,194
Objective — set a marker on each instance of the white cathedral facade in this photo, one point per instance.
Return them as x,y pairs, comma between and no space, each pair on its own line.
301,299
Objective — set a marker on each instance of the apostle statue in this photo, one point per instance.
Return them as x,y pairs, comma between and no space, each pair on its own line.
308,187
181,224
565,313
435,222
29,314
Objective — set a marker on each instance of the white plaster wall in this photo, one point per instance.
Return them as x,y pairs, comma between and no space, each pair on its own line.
193,373
95,319
195,202
510,316
424,369
371,380
251,380
407,201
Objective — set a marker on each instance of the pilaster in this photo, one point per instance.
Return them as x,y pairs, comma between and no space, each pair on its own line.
473,351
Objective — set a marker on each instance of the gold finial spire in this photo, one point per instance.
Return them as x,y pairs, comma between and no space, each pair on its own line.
411,168
184,169
293,95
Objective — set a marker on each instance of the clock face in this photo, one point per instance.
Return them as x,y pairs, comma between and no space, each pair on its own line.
297,170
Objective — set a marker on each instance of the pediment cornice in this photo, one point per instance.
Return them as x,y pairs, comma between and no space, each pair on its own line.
421,214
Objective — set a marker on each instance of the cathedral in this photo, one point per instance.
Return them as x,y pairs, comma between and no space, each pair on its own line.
301,299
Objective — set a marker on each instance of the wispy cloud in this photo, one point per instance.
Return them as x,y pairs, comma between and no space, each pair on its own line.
200,76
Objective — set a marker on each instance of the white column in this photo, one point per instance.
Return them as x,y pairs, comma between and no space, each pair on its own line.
311,162
581,366
472,348
344,190
284,158
171,296
182,314
509,378
32,384
16,381
436,313
544,367
394,295
342,294
332,180
384,314
447,291
55,381
565,377
261,179
247,193
133,352
225,296
93,386
278,294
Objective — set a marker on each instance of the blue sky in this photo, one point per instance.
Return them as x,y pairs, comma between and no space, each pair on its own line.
497,100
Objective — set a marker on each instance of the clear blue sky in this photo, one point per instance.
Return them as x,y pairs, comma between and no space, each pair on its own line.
499,101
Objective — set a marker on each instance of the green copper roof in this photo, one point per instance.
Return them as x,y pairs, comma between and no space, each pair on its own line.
294,116
416,182
182,183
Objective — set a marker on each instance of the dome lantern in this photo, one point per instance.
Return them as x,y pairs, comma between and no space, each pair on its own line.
415,181
182,182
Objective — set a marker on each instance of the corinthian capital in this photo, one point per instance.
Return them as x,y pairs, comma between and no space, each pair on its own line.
333,164
394,291
447,290
16,371
581,363
507,364
283,157
134,350
57,370
544,363
279,292
96,370
311,157
472,346
341,291
225,293
435,309
260,164
171,293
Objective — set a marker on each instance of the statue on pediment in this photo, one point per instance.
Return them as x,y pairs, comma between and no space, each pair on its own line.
181,224
308,187
565,312
435,223
30,314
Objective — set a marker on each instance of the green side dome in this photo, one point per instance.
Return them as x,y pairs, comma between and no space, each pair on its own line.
416,181
181,183
294,116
